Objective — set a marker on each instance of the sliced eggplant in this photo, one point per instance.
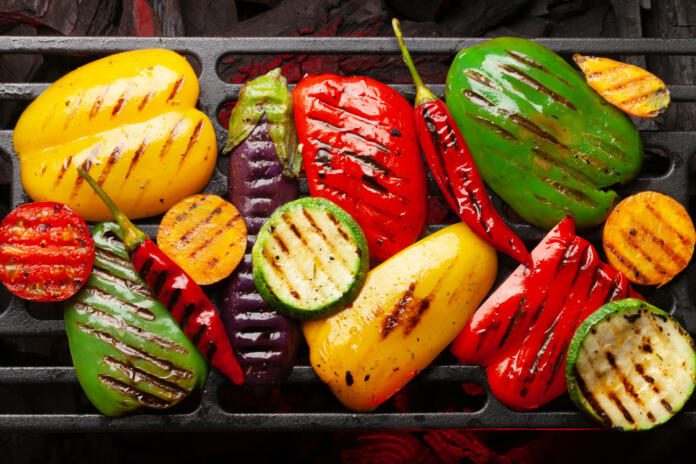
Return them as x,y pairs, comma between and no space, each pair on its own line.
630,365
310,259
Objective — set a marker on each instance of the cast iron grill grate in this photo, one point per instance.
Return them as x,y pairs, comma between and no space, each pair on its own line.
670,151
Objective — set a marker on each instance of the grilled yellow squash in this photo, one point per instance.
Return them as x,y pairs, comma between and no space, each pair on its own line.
130,119
631,89
649,237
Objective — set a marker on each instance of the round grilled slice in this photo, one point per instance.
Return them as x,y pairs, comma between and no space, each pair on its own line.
310,259
630,365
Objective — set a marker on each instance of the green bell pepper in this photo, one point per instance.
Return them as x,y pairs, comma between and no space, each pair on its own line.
542,139
127,349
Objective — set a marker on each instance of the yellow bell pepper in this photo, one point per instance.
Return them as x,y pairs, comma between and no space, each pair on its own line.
131,119
411,307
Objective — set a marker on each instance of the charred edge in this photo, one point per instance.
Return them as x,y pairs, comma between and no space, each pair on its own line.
177,86
482,79
147,266
536,85
172,134
529,61
131,351
270,259
379,146
174,299
481,121
112,258
622,259
122,326
615,399
136,157
142,313
196,339
218,210
96,106
160,280
365,161
192,140
667,224
591,400
143,398
139,375
392,320
110,162
371,183
189,309
648,379
513,322
135,287
146,99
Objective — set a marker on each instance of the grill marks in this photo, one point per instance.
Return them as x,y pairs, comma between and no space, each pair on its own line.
138,154
193,138
536,85
96,106
175,89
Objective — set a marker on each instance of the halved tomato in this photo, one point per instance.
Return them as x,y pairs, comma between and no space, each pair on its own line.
46,251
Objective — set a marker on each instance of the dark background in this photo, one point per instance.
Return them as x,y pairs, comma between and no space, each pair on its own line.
462,18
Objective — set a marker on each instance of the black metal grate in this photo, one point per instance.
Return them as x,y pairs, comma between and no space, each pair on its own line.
669,150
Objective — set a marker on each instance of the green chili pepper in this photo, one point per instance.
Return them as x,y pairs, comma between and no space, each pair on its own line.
127,349
542,139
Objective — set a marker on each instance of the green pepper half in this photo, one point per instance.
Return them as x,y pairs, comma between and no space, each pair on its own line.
127,349
542,139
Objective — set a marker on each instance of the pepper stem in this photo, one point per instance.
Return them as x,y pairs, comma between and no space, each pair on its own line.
132,236
423,95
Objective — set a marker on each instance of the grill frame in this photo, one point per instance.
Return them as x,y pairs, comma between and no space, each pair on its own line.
16,321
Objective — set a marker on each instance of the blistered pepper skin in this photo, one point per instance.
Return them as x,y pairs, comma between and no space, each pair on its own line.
411,307
130,120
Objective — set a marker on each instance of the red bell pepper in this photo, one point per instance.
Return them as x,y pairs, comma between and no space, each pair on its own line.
454,169
360,151
183,297
522,331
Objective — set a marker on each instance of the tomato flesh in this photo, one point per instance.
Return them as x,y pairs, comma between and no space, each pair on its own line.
46,251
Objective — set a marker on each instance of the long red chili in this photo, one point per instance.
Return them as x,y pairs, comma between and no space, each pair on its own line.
183,297
454,169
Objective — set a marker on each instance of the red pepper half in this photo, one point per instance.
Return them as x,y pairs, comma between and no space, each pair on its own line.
360,151
183,297
454,169
522,331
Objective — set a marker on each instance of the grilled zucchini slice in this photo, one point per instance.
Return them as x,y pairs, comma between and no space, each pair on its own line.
310,259
630,365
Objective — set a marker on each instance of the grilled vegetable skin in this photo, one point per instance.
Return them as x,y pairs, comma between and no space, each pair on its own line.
631,366
127,349
522,331
649,237
310,259
541,138
205,236
46,252
360,151
265,342
184,299
631,89
130,120
409,310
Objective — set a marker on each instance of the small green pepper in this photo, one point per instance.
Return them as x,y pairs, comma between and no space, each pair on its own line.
127,349
542,139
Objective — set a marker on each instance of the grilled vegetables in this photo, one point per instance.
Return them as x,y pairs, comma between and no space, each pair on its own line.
46,252
264,341
205,236
130,120
649,237
409,310
127,350
310,259
541,138
629,88
360,151
522,331
631,366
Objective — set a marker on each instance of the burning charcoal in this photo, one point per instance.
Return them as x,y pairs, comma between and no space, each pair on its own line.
169,12
474,18
208,17
139,19
96,17
60,15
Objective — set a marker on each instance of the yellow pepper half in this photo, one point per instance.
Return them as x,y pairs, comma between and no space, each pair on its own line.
131,119
411,307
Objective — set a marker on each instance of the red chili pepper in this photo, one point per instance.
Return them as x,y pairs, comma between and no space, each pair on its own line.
522,331
360,151
454,169
183,297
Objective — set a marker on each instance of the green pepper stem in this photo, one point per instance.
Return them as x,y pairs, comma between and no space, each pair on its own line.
132,236
423,95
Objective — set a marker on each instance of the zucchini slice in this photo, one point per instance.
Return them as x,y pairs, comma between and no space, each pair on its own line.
630,365
310,259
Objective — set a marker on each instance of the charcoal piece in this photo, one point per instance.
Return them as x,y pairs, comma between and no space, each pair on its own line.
473,18
60,15
593,22
96,17
208,18
526,26
418,10
169,13
138,18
